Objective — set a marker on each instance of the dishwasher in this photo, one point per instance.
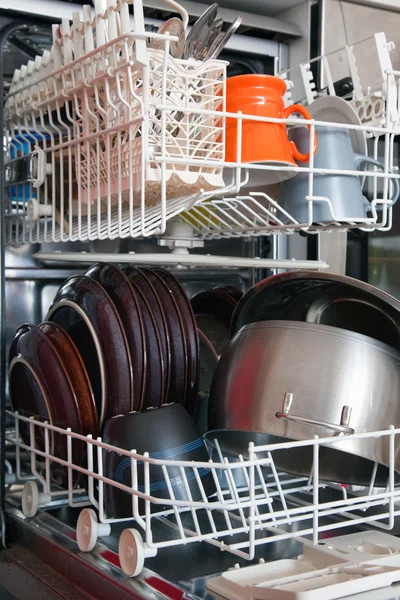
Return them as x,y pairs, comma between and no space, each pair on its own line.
159,171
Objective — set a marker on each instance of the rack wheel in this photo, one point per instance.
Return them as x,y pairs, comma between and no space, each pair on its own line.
36,210
31,499
131,552
88,529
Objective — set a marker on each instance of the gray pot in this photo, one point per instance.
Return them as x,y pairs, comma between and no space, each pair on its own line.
339,381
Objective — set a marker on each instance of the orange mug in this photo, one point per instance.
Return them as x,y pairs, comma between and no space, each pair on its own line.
267,143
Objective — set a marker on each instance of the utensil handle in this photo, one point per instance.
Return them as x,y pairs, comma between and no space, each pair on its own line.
344,419
360,159
298,108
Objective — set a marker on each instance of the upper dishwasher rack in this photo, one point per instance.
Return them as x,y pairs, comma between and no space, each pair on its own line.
112,141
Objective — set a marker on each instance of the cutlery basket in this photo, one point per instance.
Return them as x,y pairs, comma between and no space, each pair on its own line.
145,130
109,126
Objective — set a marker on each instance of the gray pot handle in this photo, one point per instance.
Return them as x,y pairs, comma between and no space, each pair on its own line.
360,158
343,428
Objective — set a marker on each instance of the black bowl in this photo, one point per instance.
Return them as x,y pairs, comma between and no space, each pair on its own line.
167,433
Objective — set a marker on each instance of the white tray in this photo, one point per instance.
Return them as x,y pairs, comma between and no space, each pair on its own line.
341,567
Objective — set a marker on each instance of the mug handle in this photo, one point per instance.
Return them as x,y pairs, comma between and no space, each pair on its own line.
299,108
360,158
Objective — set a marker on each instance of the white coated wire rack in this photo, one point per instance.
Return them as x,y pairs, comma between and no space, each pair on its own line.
110,137
249,502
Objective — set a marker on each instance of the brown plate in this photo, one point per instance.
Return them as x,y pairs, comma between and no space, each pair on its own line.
177,388
159,315
190,331
36,368
155,374
122,293
27,395
208,363
213,310
74,366
85,311
231,290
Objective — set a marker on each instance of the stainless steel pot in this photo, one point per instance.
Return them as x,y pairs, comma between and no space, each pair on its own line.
325,298
296,380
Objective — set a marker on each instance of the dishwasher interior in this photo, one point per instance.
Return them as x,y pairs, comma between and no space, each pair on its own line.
119,152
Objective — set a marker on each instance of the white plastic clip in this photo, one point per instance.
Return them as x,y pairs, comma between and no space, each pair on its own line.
40,168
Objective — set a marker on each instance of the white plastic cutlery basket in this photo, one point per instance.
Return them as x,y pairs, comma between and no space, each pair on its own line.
250,502
140,121
110,138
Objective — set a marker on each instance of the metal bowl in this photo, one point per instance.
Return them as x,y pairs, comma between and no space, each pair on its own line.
324,298
295,380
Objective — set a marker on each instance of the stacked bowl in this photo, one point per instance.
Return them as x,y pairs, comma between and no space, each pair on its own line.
312,354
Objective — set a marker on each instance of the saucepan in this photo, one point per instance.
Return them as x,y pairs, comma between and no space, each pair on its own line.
294,380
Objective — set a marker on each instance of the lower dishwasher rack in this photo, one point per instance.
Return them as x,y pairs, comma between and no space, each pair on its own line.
256,511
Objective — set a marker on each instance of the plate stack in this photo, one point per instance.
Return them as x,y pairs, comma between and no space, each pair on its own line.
114,341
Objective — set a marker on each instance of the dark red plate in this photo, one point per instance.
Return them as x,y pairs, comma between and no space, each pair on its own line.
28,395
75,367
191,338
208,363
139,278
173,321
86,312
231,290
213,310
155,375
122,293
40,386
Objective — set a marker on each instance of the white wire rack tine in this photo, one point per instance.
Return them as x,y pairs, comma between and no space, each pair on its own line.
32,446
135,484
17,447
205,500
175,509
252,512
70,468
234,493
391,476
89,449
220,496
277,482
190,499
141,54
316,490
328,75
247,479
47,460
222,459
147,502
373,478
102,514
261,477
310,479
